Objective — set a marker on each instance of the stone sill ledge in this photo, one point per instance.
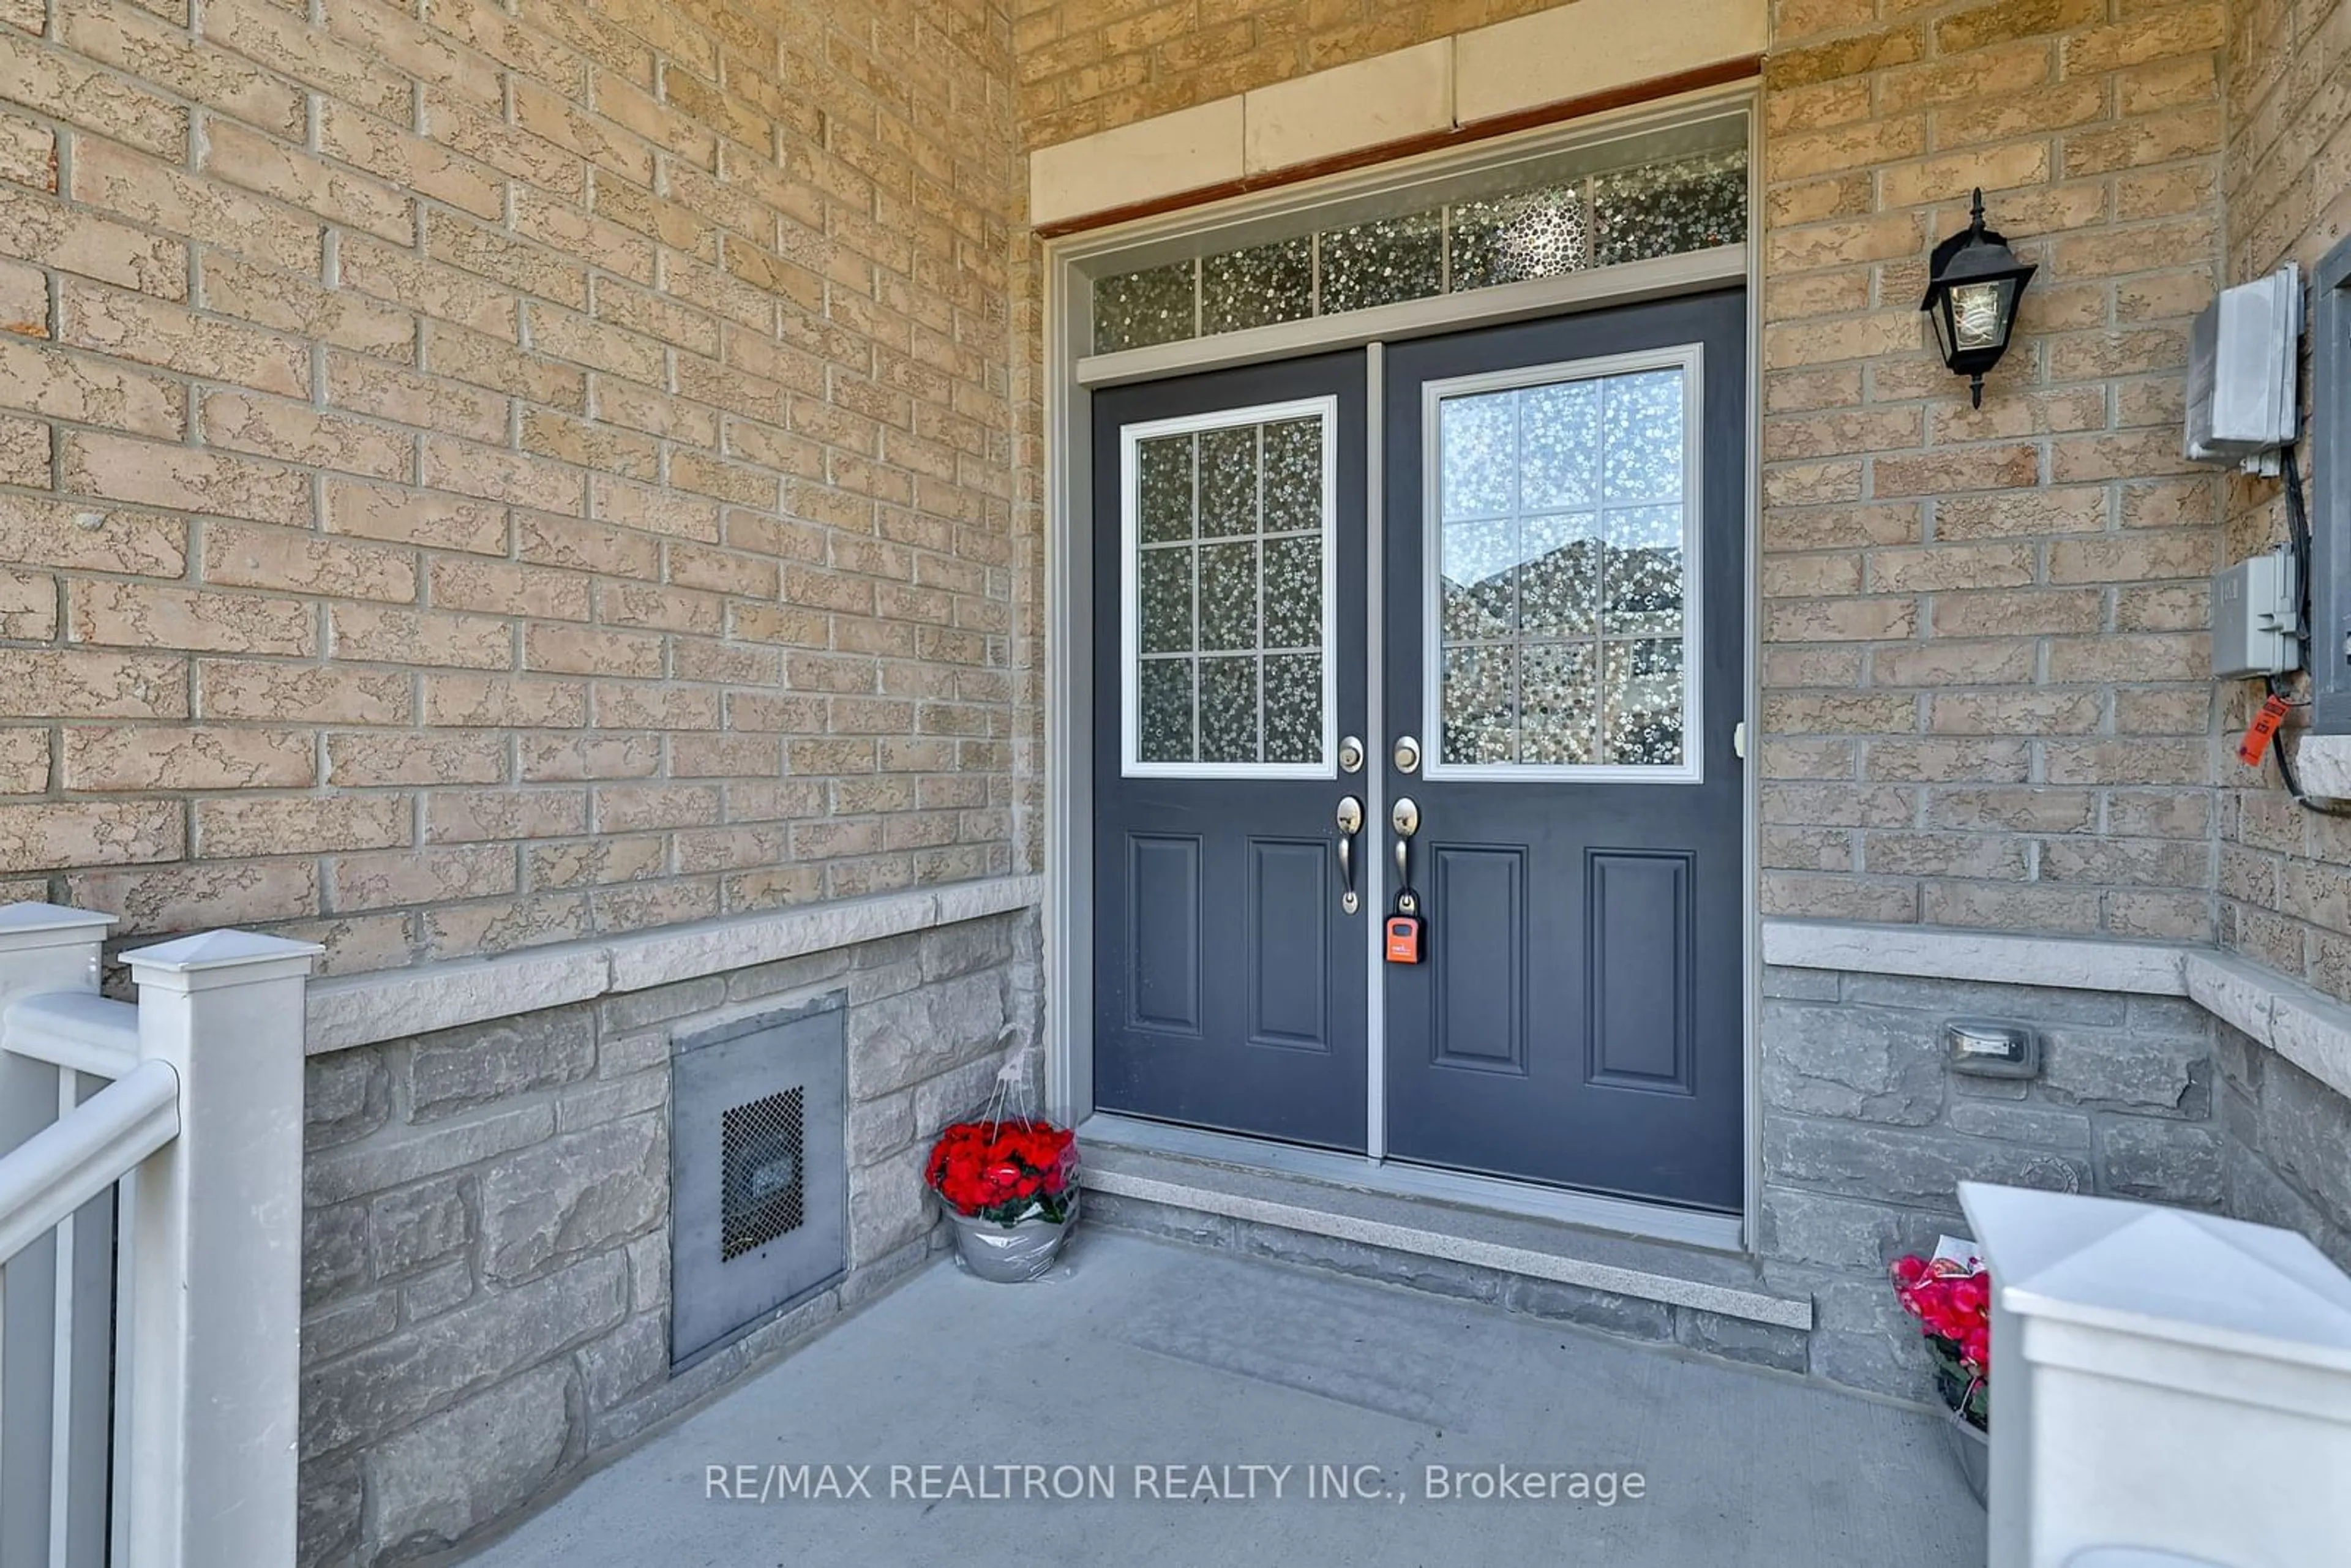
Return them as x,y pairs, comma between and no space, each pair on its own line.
360,1010
2309,1028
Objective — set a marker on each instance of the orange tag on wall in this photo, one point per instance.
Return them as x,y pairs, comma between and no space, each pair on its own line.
2259,734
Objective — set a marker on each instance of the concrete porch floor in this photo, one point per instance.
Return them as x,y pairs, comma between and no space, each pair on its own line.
1136,1352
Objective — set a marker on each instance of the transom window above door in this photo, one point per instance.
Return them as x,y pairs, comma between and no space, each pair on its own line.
1228,624
1602,207
1561,514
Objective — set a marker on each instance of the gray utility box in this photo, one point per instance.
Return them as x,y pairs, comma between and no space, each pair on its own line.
758,1171
2256,628
2243,356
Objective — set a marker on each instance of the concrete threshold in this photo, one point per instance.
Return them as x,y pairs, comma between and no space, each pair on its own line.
1702,1280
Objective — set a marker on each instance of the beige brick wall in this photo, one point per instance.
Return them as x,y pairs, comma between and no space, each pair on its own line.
1984,646
2285,873
1090,65
478,473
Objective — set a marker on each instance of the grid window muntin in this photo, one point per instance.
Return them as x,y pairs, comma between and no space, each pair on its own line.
1133,550
1689,359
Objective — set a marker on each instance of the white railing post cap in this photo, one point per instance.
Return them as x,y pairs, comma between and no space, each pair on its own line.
215,958
30,924
2163,1273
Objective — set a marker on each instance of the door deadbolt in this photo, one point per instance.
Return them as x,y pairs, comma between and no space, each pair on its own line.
1407,753
1350,755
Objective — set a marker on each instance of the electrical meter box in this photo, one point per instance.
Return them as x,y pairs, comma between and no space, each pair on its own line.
2242,365
2255,628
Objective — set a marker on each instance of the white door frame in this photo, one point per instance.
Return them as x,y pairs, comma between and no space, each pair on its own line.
1071,376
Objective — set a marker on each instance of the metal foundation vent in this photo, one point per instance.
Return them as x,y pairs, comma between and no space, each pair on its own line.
759,1171
763,1190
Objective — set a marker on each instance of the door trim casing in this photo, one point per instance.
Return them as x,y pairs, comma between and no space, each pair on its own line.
1069,376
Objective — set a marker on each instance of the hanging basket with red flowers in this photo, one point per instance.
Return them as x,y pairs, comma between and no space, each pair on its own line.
1951,1298
1009,1178
1006,1171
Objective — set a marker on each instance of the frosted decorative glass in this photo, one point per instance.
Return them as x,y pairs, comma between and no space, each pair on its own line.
1559,468
1662,208
1666,209
1643,437
1382,263
1293,708
1258,287
1559,575
1229,497
1481,455
1164,733
1562,589
1643,572
1230,630
1559,705
1166,493
1229,597
1641,703
1229,721
1166,599
1479,580
1293,476
1480,701
1293,591
1509,239
1157,304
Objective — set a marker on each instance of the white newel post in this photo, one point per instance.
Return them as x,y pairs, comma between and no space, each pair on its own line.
2164,1380
42,948
45,950
217,1257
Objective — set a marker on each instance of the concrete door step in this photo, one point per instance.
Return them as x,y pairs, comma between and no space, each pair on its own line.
1713,1302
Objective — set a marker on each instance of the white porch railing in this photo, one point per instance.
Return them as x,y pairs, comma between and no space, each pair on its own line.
151,1168
2167,1387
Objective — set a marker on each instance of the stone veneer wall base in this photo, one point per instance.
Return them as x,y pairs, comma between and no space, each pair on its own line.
487,1207
2172,1074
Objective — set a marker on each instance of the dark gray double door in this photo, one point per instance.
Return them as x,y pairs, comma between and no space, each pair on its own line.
1561,670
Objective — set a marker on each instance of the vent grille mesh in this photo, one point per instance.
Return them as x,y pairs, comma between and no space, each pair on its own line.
763,1194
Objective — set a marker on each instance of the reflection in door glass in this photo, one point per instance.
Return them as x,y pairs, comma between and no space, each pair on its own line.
1230,618
1561,583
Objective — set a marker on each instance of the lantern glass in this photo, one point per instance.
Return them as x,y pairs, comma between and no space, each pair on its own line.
1977,314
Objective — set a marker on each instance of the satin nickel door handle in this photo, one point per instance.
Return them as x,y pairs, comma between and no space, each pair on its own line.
1350,822
1404,817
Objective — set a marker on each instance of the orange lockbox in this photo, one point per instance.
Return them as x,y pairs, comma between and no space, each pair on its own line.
1404,939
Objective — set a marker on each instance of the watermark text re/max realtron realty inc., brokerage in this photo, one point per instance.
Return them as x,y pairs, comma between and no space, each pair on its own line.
1246,1483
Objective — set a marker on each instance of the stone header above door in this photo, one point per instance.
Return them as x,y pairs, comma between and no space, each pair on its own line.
1574,58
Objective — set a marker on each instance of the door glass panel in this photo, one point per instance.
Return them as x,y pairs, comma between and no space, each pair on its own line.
1229,612
1561,522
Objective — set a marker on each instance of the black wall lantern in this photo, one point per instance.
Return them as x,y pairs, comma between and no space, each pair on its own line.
1972,285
